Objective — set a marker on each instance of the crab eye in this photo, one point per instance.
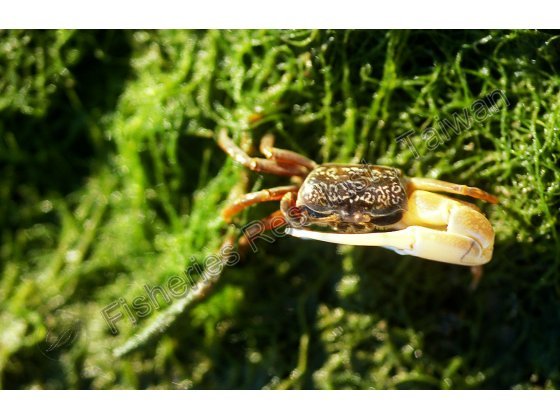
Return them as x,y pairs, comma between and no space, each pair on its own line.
315,214
388,219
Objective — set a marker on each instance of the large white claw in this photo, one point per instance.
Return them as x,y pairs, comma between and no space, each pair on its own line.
418,241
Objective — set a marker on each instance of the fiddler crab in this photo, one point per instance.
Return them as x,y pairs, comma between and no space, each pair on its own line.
368,205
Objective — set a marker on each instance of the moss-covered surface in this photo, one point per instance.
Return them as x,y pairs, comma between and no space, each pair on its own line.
111,181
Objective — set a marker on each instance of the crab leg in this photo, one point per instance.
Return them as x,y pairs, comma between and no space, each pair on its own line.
440,229
281,155
272,194
254,230
280,167
436,185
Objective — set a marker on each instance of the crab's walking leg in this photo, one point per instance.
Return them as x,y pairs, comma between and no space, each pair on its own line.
254,230
435,185
440,229
286,156
272,194
258,164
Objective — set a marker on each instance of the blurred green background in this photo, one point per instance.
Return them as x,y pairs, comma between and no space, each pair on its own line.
111,181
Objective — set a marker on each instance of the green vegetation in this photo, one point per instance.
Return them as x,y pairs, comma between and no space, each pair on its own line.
111,181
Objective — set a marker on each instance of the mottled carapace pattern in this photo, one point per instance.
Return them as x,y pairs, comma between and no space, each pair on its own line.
356,193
